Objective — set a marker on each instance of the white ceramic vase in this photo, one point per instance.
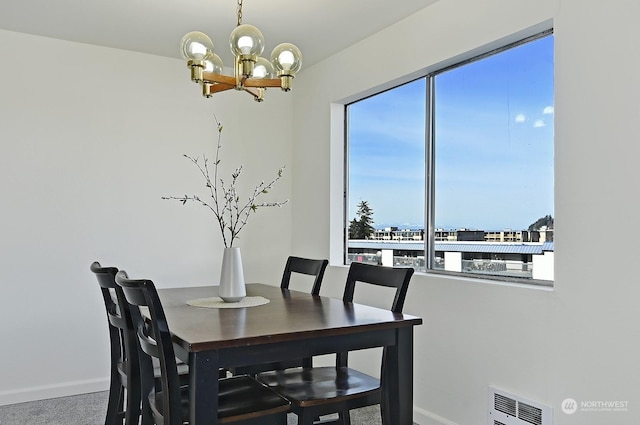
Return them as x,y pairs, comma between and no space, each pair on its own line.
232,288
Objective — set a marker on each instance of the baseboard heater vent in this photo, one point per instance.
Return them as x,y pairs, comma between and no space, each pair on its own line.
509,409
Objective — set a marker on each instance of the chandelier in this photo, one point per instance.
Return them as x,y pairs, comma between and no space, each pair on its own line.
252,73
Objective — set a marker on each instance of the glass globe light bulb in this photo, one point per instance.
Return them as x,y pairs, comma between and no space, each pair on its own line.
213,64
196,46
263,69
246,40
286,59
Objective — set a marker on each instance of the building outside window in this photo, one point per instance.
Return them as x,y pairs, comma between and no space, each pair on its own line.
455,169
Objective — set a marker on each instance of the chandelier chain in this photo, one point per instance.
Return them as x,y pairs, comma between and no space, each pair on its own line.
239,12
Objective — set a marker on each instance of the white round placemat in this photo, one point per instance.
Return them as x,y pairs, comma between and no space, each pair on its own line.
217,302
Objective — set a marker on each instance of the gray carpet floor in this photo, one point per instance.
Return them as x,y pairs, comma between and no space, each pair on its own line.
89,409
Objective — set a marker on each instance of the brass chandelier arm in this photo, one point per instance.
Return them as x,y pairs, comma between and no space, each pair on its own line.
209,89
256,93
210,77
216,88
262,82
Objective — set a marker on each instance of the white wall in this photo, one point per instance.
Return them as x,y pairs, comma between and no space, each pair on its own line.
90,139
581,340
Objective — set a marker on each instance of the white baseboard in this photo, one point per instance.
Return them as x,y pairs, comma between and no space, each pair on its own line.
53,391
424,417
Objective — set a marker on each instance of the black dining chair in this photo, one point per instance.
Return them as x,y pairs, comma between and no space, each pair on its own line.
319,391
124,387
305,266
241,399
300,265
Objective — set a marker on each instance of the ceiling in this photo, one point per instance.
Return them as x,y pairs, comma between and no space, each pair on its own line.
318,27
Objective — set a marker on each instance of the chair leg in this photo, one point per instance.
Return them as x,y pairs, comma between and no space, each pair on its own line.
147,416
115,403
344,417
132,412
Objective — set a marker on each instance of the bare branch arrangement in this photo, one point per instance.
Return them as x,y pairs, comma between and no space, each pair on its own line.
232,215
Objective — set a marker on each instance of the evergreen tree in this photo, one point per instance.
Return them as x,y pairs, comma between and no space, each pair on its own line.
362,227
354,229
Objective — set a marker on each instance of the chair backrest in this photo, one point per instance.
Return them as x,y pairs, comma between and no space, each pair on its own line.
123,345
155,342
392,277
305,266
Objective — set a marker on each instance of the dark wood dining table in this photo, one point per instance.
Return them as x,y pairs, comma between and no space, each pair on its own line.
291,325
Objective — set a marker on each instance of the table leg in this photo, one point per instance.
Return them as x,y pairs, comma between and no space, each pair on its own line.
397,394
203,388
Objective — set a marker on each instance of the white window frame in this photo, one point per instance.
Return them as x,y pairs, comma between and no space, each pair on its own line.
339,114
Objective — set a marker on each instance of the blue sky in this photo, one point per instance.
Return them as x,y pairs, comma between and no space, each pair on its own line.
493,151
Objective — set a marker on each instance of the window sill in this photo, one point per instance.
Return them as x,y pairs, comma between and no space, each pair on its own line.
543,285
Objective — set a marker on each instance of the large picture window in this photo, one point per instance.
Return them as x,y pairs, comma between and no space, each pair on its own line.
453,172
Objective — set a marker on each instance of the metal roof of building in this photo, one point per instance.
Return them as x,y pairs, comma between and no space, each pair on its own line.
492,248
458,246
